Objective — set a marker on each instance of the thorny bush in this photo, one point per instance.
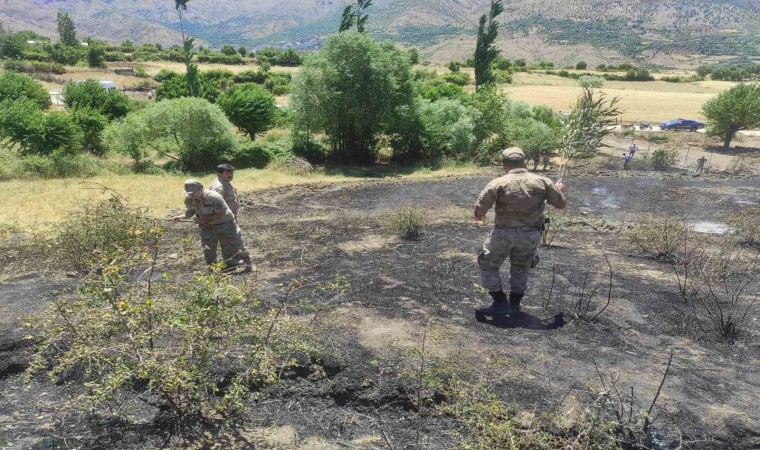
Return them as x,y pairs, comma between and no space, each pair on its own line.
194,350
746,227
101,231
720,286
658,238
408,222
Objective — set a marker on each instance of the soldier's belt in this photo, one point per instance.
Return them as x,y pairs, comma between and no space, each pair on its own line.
518,228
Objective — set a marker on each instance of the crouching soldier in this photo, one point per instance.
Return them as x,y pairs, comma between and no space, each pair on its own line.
519,198
216,225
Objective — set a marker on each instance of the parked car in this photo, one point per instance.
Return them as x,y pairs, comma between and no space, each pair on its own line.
682,124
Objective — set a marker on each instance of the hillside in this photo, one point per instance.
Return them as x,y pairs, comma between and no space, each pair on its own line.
665,32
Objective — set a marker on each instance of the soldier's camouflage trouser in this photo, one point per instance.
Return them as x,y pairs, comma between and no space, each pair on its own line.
514,243
228,236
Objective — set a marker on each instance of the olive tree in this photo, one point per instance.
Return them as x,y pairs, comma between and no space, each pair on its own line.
733,110
352,90
190,130
250,107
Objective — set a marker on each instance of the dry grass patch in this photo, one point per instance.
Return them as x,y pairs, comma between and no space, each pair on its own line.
40,204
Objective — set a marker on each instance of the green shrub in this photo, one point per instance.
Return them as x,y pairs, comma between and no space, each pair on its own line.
92,123
96,56
408,222
37,133
91,94
34,67
656,138
17,86
65,54
448,128
251,76
458,78
165,75
139,70
663,158
250,154
590,81
60,165
312,151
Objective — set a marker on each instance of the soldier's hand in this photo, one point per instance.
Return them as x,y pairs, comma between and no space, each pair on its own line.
178,218
561,186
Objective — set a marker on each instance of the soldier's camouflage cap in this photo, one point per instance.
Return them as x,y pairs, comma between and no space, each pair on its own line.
512,154
192,185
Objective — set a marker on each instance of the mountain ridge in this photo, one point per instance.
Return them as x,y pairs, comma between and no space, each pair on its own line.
562,31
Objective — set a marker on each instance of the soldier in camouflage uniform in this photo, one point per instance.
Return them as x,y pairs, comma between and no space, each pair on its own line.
223,185
216,225
519,198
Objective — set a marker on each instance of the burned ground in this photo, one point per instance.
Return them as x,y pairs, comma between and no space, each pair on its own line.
401,290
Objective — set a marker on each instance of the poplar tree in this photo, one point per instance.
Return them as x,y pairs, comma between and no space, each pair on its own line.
485,51
66,29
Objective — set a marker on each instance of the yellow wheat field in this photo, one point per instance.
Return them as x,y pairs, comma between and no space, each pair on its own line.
651,101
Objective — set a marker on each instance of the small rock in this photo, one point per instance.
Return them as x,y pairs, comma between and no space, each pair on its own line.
173,256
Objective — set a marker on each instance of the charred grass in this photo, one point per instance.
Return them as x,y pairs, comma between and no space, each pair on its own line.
409,367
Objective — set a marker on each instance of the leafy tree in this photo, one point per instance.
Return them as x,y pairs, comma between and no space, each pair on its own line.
228,50
37,133
355,15
12,46
59,134
485,51
64,54
96,56
733,110
190,130
249,107
209,87
90,94
128,46
536,138
581,65
66,29
92,123
414,56
243,51
18,86
448,128
352,90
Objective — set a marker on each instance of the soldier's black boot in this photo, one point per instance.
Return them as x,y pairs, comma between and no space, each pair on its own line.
499,307
514,301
